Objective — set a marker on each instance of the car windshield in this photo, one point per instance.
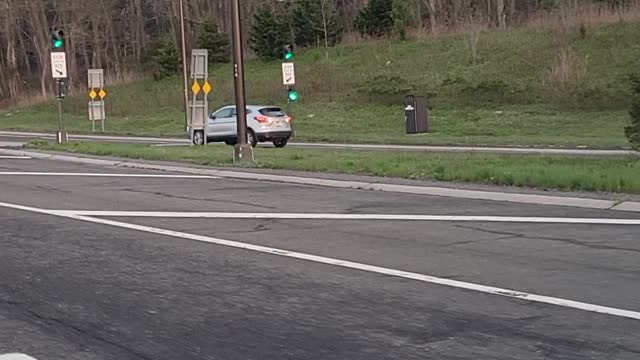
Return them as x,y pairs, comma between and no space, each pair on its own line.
272,112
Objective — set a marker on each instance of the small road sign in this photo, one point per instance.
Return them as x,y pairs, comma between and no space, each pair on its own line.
93,94
102,93
288,74
59,65
196,87
207,88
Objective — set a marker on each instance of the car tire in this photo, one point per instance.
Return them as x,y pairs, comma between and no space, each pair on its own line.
198,138
251,138
280,143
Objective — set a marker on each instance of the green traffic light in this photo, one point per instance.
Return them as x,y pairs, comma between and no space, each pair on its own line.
58,43
288,56
294,95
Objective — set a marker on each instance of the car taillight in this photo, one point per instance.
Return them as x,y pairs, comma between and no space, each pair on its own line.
289,119
262,119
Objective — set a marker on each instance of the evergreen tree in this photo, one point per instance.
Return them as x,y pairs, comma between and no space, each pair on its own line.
376,19
402,18
164,58
268,35
216,42
633,130
315,22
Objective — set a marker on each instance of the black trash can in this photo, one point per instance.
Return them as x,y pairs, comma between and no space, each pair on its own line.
416,114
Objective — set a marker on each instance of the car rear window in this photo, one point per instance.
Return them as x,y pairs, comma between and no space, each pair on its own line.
272,112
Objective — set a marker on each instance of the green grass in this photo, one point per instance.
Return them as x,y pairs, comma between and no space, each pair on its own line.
355,95
619,175
335,122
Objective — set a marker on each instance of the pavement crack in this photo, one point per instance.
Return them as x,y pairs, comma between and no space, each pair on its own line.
192,198
50,321
508,235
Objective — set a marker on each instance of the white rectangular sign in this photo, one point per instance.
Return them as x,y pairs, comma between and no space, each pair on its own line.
59,65
288,74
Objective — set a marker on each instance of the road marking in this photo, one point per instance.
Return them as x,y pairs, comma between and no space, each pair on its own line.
15,357
311,216
345,264
27,173
17,157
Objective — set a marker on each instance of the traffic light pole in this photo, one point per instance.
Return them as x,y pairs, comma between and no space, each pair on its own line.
61,136
242,150
290,112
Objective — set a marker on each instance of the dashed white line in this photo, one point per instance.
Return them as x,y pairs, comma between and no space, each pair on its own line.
324,216
346,264
28,173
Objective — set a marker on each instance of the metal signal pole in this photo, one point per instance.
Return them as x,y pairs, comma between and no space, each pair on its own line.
184,66
242,150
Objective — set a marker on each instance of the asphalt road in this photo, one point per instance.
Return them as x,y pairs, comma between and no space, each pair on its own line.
78,286
21,137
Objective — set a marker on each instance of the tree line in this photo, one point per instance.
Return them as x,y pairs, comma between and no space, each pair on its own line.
129,38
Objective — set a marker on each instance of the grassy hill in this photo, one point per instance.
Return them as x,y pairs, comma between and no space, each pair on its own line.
560,87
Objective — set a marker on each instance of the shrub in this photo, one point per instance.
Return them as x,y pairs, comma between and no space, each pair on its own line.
633,130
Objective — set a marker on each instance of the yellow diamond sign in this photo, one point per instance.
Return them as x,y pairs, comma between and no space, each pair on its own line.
102,94
93,94
206,88
195,87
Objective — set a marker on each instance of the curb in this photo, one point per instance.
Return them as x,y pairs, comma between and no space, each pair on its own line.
550,151
628,206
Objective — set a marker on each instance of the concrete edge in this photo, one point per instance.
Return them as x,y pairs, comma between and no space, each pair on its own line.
629,206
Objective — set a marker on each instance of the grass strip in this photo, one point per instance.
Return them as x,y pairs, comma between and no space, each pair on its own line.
611,174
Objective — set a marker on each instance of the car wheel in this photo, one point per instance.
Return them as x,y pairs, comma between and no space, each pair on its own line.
281,143
251,138
198,138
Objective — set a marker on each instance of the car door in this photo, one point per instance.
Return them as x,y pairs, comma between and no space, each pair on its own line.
235,120
222,123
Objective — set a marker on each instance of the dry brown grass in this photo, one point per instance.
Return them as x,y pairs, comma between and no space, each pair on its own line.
79,86
588,15
567,68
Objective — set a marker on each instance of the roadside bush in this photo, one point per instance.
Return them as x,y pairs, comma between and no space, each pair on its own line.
486,91
633,130
386,89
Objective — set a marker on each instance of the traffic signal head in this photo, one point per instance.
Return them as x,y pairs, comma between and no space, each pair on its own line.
288,52
294,95
57,38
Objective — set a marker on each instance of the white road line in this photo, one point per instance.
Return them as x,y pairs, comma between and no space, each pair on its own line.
318,216
346,264
27,173
15,157
15,356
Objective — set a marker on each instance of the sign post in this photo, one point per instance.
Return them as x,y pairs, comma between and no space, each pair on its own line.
59,73
198,118
95,82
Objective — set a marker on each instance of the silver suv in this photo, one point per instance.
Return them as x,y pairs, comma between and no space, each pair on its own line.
264,124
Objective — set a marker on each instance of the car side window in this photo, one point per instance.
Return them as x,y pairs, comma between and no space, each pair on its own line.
224,113
233,112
